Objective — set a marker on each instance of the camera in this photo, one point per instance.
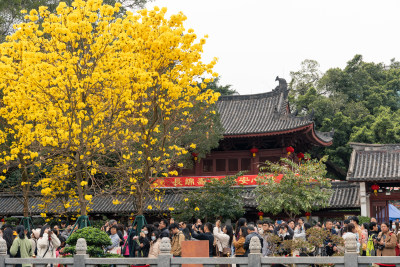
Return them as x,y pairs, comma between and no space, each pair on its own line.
378,239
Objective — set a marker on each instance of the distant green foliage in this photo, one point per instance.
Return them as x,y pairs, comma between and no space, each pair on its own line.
360,102
12,220
222,89
363,219
95,239
218,199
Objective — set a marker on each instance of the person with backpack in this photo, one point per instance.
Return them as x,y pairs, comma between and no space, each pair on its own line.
21,247
372,235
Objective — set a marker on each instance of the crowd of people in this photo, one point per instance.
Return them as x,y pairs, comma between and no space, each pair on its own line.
41,242
372,239
227,240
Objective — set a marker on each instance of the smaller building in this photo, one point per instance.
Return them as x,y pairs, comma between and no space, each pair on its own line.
375,168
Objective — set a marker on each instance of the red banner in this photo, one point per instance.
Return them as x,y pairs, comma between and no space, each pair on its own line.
196,181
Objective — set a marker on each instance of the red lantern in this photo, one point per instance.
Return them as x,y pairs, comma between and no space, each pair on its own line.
308,214
289,150
300,156
254,150
375,187
195,156
260,215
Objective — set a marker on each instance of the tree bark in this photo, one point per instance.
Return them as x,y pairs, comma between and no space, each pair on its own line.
79,179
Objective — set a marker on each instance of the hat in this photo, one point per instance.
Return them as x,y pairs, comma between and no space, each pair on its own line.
36,233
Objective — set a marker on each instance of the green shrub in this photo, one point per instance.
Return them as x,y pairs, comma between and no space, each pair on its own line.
95,240
363,219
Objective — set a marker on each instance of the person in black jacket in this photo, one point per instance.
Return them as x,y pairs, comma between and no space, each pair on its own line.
132,242
251,230
207,235
330,247
144,243
163,227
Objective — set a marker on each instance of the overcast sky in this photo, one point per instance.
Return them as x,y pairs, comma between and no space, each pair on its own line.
255,41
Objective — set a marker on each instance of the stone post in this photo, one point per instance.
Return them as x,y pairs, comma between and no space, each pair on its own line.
80,255
350,253
164,259
3,252
255,252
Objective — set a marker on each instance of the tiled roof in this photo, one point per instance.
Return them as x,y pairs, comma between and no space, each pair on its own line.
344,195
252,114
374,162
261,114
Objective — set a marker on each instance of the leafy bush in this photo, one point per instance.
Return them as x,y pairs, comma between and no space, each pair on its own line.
12,220
363,219
95,240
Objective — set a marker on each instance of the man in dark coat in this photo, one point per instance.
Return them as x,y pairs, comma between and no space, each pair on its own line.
251,230
207,235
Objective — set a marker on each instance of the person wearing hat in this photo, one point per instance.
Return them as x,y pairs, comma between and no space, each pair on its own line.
34,238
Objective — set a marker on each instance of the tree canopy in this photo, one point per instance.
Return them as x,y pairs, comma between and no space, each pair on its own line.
302,188
360,102
102,102
10,10
217,199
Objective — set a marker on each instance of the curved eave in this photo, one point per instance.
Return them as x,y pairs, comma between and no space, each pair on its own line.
319,140
309,128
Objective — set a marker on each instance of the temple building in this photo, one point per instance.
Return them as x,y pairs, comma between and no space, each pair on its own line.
258,128
375,169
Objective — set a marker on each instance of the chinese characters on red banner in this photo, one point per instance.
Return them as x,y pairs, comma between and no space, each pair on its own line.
196,181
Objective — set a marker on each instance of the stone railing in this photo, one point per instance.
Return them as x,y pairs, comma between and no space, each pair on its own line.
165,259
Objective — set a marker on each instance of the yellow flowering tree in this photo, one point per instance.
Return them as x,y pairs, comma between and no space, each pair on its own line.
107,100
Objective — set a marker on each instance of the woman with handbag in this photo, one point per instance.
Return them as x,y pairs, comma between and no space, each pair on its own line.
21,247
224,240
114,248
239,243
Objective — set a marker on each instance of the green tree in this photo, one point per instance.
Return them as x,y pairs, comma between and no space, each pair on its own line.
302,188
222,89
358,102
218,199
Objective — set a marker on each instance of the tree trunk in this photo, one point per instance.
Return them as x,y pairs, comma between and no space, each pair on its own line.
25,185
81,192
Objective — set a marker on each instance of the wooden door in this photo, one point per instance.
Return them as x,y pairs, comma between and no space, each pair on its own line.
380,210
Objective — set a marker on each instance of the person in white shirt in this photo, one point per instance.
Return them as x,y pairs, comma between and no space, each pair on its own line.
223,238
351,233
47,244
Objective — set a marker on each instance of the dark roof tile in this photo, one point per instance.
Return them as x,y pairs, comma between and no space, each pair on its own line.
344,195
374,162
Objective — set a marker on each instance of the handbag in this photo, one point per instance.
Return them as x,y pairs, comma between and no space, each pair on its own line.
124,247
115,250
226,252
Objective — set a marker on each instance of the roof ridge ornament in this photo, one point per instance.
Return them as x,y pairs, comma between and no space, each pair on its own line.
282,84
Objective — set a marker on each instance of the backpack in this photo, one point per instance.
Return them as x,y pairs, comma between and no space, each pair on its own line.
371,246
